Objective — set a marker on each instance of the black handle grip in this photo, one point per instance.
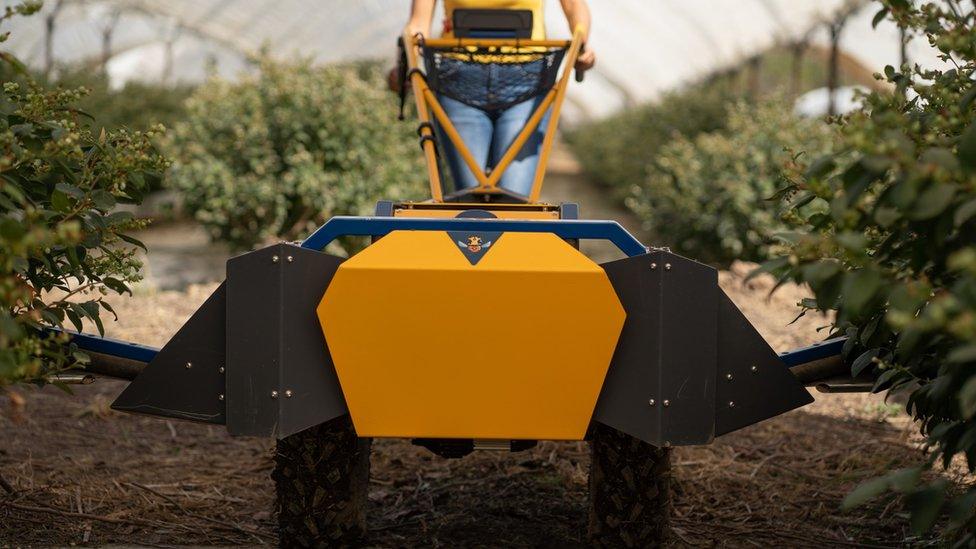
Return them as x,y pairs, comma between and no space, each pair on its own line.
581,75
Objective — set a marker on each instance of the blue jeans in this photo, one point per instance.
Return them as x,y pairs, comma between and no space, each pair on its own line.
488,136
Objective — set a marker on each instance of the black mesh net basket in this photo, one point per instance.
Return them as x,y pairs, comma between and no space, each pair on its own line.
492,79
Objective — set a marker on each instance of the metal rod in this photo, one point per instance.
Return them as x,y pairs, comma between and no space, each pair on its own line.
430,149
574,50
112,366
816,371
495,43
845,387
71,379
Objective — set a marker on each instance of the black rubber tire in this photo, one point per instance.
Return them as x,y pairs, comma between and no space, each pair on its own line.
630,490
321,479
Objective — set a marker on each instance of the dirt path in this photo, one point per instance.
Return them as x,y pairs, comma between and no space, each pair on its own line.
83,474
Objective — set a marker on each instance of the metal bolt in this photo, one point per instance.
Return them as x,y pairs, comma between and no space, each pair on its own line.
667,403
651,402
221,369
220,397
667,266
731,404
653,266
290,259
274,259
755,369
189,365
728,376
274,394
288,393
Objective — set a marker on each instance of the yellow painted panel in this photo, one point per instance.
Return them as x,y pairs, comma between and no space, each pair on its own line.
501,214
428,345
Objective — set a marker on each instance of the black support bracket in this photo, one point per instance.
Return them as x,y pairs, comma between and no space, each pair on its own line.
280,377
688,366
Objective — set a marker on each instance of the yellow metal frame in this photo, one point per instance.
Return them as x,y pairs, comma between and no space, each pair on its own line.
428,104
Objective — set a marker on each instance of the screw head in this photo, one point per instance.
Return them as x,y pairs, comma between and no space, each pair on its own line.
288,393
220,397
666,403
221,369
754,369
189,365
653,266
274,394
728,376
274,259
667,266
290,259
731,404
651,402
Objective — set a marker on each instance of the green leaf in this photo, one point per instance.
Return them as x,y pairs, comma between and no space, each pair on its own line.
862,362
70,190
926,505
59,201
860,287
103,200
820,167
933,201
964,354
74,318
865,492
965,212
133,241
879,17
967,148
116,285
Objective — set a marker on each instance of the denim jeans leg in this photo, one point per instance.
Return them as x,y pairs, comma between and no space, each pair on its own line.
520,174
475,128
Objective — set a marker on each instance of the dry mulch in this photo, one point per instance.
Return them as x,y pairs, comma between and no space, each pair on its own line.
80,473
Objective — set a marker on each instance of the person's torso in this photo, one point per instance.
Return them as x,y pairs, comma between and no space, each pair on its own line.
535,6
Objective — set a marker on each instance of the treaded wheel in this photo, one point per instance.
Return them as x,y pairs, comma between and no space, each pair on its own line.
321,478
630,490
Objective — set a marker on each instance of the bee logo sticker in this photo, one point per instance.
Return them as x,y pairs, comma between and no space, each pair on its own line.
474,246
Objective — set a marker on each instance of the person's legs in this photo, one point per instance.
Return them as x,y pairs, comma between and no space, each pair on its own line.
520,174
475,128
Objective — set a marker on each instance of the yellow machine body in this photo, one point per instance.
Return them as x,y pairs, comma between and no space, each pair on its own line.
430,344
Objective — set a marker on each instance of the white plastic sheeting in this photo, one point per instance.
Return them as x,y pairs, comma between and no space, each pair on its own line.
645,47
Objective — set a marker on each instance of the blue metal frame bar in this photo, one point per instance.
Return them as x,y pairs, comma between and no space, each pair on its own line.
817,351
569,229
111,347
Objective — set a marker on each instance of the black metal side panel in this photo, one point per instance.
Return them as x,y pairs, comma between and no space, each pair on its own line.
185,380
307,369
689,349
660,386
753,383
280,378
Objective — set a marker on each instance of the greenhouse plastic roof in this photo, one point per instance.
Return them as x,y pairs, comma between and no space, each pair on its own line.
644,47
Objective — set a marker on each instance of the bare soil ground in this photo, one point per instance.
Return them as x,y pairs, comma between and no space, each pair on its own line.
81,474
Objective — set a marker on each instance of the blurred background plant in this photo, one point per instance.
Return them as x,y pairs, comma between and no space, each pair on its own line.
697,166
709,193
275,154
63,243
891,249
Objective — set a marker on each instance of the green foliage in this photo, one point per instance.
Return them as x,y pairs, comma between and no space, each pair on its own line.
893,251
708,194
135,106
618,150
276,154
63,245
